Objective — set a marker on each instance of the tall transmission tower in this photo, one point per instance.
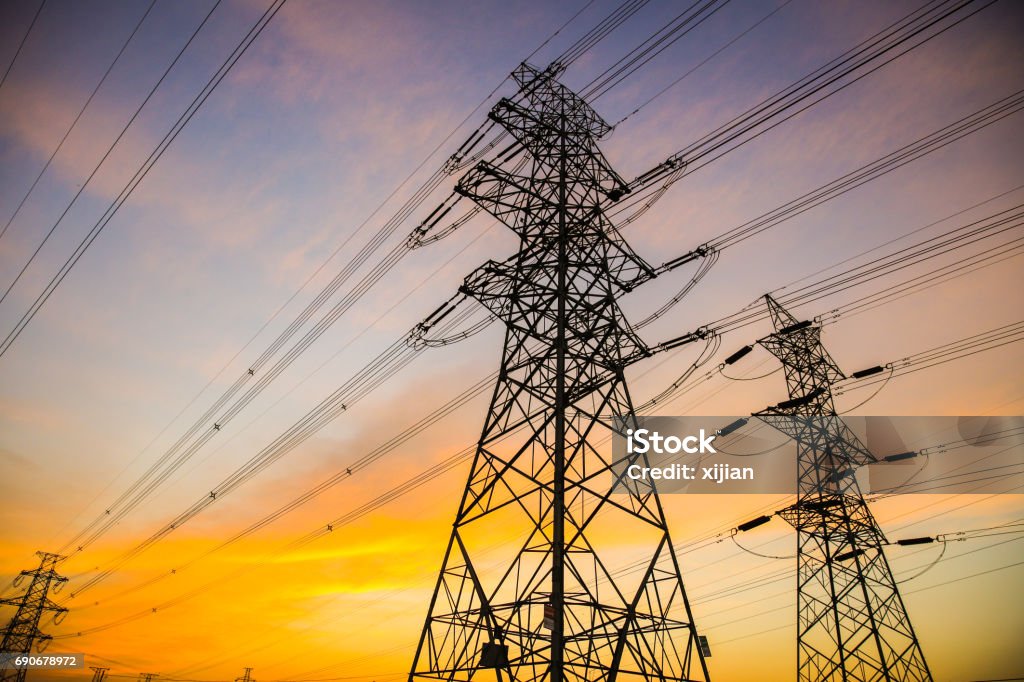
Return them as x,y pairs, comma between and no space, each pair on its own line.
550,608
99,674
851,621
23,630
246,676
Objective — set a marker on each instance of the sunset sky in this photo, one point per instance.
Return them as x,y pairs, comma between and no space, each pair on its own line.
330,111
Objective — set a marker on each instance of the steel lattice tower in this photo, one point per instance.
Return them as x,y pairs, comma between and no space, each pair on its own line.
554,611
851,621
23,630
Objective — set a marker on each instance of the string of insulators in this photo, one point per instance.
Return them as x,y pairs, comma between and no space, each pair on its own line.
897,457
867,372
801,401
753,523
667,166
915,541
794,328
845,556
818,505
690,337
688,257
840,475
735,357
734,426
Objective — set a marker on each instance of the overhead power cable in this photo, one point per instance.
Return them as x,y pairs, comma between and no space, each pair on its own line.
13,333
237,386
601,31
682,548
144,170
707,59
204,427
674,389
677,28
915,29
954,350
383,499
1004,222
21,44
74,123
917,149
385,365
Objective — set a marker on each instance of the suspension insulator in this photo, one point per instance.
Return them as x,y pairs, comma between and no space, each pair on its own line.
734,426
732,359
794,328
845,556
801,401
868,372
915,541
753,523
818,505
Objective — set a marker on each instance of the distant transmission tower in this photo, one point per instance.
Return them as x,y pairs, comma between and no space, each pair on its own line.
23,630
99,674
246,676
550,608
851,621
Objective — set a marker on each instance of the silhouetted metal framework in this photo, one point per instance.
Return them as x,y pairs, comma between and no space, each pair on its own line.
99,674
23,631
851,621
549,608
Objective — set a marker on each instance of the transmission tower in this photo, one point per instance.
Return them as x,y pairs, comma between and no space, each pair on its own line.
246,676
23,630
851,621
552,610
99,674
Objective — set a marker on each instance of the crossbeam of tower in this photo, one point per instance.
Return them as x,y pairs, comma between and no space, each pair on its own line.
852,624
22,632
549,608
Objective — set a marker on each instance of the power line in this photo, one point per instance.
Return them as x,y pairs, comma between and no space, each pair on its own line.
74,123
676,29
714,54
141,173
21,44
968,345
906,34
378,272
132,496
381,500
6,343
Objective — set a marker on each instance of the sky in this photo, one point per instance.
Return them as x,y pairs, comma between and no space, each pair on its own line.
323,129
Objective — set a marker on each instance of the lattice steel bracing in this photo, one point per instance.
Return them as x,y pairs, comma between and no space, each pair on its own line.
546,606
22,633
851,621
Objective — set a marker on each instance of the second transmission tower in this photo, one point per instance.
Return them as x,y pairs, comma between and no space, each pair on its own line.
851,621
